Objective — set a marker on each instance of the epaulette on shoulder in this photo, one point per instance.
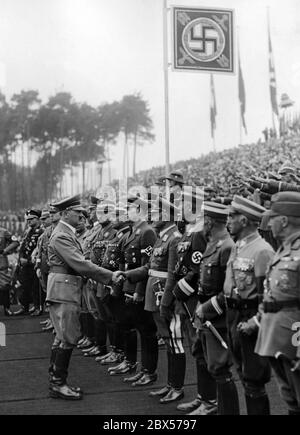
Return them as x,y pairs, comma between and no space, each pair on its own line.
177,234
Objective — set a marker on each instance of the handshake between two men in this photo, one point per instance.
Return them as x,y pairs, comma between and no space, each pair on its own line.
120,276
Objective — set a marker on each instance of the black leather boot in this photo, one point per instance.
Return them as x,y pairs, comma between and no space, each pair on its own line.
207,387
258,405
228,399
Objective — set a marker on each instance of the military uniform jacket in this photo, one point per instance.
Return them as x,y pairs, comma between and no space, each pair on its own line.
6,238
248,260
212,276
189,251
163,259
282,284
90,239
65,252
42,250
137,249
29,242
113,258
100,243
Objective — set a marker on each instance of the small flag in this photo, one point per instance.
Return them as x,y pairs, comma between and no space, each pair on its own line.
273,90
213,106
242,96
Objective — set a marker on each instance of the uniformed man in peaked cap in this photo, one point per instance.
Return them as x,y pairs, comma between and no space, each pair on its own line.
27,275
67,267
161,281
105,212
137,249
212,274
115,305
243,288
90,319
278,337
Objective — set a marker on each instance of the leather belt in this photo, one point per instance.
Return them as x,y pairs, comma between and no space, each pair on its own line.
158,273
274,306
63,270
242,304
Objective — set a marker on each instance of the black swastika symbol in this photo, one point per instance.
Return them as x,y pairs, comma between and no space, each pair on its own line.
203,39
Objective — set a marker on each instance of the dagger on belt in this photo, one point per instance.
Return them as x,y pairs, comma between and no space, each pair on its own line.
216,334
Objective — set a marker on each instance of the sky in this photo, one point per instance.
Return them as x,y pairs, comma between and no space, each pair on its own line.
100,50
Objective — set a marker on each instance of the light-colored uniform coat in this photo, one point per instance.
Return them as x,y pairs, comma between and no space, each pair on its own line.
283,284
64,289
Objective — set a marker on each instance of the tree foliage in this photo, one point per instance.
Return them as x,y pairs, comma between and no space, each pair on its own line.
38,141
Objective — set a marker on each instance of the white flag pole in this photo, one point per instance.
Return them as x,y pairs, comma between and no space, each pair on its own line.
166,87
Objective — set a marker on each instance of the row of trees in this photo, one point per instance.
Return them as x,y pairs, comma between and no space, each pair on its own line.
38,141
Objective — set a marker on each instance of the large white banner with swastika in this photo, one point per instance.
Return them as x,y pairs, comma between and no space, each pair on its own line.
203,39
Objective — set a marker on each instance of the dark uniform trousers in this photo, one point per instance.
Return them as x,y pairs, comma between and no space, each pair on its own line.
278,325
106,252
218,359
30,286
189,253
93,325
254,371
161,277
136,249
246,267
123,338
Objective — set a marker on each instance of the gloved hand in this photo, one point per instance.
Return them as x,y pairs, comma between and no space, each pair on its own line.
248,328
166,312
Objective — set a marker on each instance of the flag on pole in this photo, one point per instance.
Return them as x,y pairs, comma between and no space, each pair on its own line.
273,90
213,106
242,96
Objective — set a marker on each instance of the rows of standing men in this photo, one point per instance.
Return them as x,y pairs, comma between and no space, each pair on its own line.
220,288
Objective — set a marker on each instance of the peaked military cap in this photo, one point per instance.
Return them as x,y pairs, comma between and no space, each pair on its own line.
215,210
70,203
175,176
247,208
160,181
285,204
33,213
45,214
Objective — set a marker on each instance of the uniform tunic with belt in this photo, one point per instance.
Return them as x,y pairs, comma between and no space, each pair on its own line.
104,236
212,276
137,249
280,321
67,267
42,255
190,249
248,261
27,275
160,270
282,285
